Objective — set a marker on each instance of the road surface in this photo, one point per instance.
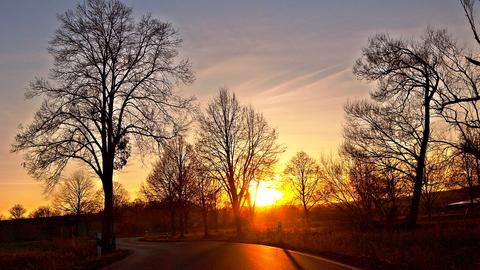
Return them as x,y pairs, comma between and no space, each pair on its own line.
216,256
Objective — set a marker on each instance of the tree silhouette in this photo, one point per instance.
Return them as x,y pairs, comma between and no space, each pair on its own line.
411,80
111,84
17,211
438,172
460,102
171,180
237,145
206,192
76,196
360,189
43,212
304,179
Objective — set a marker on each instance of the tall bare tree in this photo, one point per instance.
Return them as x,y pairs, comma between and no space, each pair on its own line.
411,78
17,211
237,145
111,83
304,179
460,102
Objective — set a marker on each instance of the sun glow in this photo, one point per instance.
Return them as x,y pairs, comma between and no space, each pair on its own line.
267,196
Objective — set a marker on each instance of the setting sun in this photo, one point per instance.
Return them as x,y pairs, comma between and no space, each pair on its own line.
267,195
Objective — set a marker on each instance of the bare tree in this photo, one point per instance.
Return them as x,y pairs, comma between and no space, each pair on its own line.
237,145
411,78
460,102
76,196
438,172
159,187
112,81
304,179
465,174
172,179
339,190
353,186
121,197
206,192
17,211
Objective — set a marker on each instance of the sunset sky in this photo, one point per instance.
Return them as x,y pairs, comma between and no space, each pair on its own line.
291,60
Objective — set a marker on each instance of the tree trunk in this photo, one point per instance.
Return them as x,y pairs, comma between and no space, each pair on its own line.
185,222
429,208
215,213
307,214
182,222
471,198
172,218
411,221
108,237
77,224
205,222
238,219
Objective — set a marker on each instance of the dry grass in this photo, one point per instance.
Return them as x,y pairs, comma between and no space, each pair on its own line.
58,254
432,247
447,246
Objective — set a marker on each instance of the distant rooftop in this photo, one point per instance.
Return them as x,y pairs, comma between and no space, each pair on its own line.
475,201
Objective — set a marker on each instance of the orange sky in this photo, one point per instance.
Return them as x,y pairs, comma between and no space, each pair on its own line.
290,60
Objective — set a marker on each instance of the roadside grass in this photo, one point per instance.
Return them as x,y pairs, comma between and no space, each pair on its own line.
439,246
424,248
58,254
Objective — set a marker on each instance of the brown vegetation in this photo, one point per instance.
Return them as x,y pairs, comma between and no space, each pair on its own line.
58,254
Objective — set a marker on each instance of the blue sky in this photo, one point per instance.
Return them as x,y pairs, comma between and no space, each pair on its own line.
290,59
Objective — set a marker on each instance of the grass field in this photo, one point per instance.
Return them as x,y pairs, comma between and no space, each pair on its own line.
58,254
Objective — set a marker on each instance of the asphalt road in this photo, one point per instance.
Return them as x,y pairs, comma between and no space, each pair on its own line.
216,255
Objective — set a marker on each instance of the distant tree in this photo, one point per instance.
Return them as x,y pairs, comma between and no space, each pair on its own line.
76,196
304,180
43,212
237,145
466,174
347,187
172,180
410,76
111,85
121,197
159,187
438,173
17,211
339,190
206,192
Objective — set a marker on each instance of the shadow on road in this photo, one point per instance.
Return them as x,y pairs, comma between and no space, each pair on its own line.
292,259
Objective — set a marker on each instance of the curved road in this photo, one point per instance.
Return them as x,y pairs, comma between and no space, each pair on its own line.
216,255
